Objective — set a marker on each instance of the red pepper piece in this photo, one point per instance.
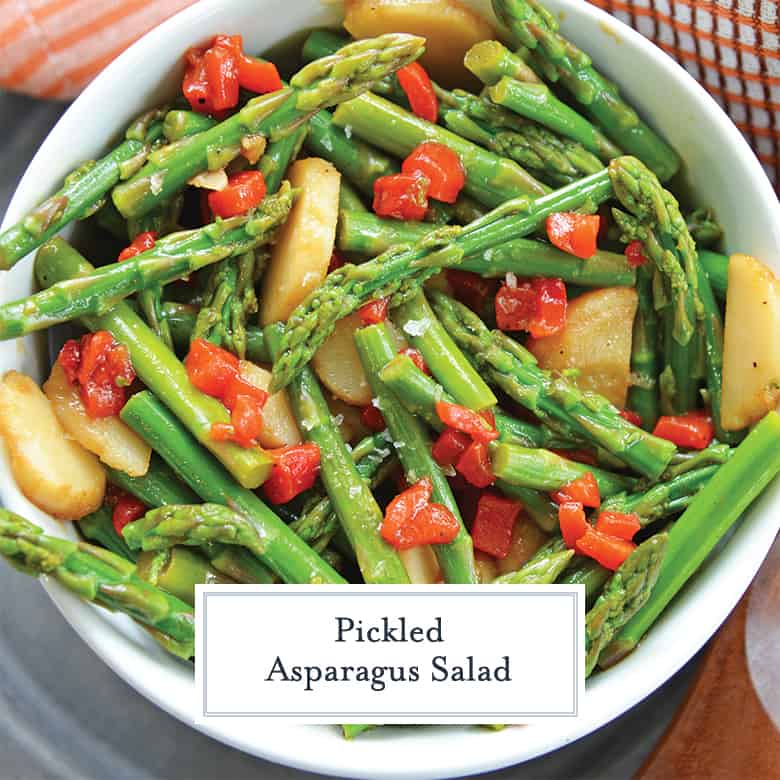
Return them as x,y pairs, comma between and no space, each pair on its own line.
222,432
295,470
70,359
475,465
221,65
585,489
571,518
470,289
574,233
373,312
693,430
244,192
210,368
246,415
372,418
258,75
237,387
609,551
466,421
494,523
401,197
195,85
450,445
515,307
635,254
143,242
417,85
631,416
538,306
441,166
436,524
620,524
416,357
127,509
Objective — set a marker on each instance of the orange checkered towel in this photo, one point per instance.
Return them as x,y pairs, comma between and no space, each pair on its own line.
52,48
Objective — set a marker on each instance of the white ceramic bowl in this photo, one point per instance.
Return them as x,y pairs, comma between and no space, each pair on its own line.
722,172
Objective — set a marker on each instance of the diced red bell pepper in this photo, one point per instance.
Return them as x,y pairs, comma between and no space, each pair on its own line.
126,510
693,430
246,416
470,289
416,357
295,469
538,306
621,524
466,421
221,65
635,254
244,192
475,465
210,368
401,196
70,359
494,523
258,75
631,416
450,445
574,233
237,386
441,166
143,242
584,489
571,519
195,85
372,418
410,520
373,312
609,551
418,88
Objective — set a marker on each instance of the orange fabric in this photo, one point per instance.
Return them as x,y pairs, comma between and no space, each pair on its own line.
53,48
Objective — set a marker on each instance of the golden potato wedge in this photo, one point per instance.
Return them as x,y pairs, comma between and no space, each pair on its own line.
279,426
751,343
449,28
596,340
338,365
109,438
304,245
55,472
421,565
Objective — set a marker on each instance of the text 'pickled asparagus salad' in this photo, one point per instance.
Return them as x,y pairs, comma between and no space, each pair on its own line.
426,311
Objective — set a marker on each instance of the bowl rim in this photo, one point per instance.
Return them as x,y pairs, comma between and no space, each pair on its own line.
751,541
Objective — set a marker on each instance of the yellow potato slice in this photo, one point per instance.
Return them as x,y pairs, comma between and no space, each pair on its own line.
449,28
304,245
108,437
52,470
279,426
751,343
596,340
421,565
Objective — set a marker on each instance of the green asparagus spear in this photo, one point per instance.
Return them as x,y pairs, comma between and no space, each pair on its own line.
283,551
717,453
626,591
544,470
537,505
368,234
278,155
704,227
98,527
717,269
350,200
490,61
352,500
398,274
353,730
180,124
536,29
171,258
589,573
541,571
556,401
323,83
99,576
643,393
538,103
177,571
656,222
443,357
413,447
83,191
156,366
489,178
706,521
